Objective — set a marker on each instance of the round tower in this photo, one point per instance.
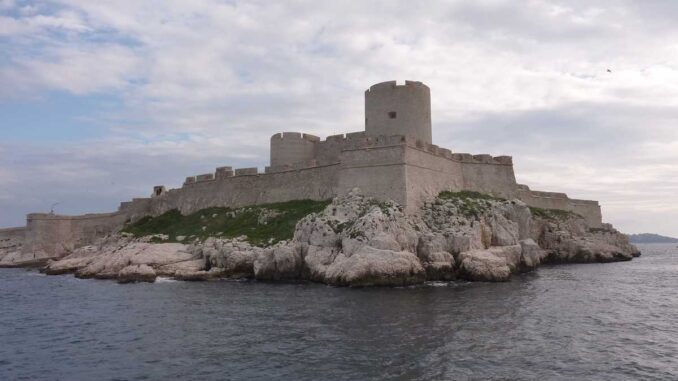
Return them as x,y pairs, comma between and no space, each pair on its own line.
392,109
292,148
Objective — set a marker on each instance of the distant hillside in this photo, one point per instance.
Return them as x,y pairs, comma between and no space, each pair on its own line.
651,238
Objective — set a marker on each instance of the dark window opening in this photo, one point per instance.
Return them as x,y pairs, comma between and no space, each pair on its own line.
392,114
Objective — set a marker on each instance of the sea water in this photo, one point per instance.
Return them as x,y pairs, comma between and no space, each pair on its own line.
616,321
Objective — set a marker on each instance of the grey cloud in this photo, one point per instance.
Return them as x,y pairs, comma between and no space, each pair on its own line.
520,78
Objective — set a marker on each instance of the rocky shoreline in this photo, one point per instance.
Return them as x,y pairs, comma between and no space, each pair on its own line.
357,241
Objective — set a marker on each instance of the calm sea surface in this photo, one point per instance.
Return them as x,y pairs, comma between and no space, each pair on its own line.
571,322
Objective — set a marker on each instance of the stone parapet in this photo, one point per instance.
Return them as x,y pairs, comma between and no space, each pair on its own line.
204,177
223,172
247,171
548,194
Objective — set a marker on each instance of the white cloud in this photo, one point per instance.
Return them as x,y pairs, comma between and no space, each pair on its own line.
528,80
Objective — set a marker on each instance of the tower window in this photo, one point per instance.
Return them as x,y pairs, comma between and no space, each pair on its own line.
392,114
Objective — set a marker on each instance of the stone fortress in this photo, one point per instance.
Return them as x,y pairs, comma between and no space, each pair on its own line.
393,158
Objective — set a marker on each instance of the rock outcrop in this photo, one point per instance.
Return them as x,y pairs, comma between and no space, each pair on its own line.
13,255
357,241
136,273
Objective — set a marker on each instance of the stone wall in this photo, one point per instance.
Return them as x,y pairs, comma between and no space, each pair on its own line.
137,208
487,174
51,235
12,238
379,172
588,209
329,150
249,187
429,172
292,147
398,168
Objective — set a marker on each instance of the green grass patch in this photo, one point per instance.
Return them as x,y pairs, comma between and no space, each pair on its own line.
470,204
467,195
262,224
551,214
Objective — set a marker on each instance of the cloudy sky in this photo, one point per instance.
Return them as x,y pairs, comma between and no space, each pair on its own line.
101,100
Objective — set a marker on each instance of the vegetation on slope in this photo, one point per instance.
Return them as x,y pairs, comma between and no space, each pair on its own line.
470,204
551,214
263,224
474,204
468,195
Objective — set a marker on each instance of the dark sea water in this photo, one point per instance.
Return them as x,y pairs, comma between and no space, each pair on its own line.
614,321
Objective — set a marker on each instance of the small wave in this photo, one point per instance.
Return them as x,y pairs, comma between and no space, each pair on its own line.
437,284
162,279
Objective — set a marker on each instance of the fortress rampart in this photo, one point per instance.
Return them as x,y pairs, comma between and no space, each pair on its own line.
54,234
393,159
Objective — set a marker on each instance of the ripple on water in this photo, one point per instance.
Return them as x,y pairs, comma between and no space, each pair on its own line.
593,322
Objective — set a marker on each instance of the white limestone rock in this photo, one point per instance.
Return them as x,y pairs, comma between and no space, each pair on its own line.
433,252
504,231
374,267
440,266
510,254
317,261
111,262
483,265
21,259
282,262
519,213
569,239
531,255
198,275
234,257
80,258
183,267
136,273
356,241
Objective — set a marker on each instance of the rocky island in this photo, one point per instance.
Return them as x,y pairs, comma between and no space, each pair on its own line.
380,207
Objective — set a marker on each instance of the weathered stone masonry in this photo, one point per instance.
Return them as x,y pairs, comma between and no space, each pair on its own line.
393,158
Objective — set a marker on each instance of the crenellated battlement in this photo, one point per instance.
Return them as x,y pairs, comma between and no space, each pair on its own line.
221,173
204,177
549,194
388,85
329,150
295,136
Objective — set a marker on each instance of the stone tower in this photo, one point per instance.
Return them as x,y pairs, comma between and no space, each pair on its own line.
392,109
292,147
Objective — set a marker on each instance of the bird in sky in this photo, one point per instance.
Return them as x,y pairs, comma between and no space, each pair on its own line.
609,71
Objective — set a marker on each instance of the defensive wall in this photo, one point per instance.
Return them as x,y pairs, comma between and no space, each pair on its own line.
588,209
393,159
52,235
292,147
12,238
397,168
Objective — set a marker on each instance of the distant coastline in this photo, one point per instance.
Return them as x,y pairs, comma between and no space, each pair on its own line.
651,238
